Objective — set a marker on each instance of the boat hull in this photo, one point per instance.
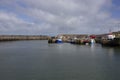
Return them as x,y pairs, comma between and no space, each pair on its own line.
58,41
111,42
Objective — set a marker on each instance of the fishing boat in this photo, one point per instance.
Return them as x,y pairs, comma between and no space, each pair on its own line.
73,41
92,39
58,41
111,40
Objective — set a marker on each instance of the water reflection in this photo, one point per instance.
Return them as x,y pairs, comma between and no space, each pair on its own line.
92,47
111,52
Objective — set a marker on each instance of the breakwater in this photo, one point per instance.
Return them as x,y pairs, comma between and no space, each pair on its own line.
22,37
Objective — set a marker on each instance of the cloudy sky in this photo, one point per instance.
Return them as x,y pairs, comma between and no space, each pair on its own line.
50,17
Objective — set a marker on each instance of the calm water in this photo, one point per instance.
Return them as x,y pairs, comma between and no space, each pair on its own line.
38,60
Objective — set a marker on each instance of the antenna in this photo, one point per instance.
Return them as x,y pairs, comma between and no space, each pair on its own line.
118,26
110,31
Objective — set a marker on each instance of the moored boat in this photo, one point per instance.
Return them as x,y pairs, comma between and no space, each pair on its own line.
111,40
59,41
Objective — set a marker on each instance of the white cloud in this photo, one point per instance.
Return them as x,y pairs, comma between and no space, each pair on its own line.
55,16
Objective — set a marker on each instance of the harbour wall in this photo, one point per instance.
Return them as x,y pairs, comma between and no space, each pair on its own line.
22,37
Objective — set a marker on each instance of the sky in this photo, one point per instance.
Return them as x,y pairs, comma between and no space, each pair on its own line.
51,17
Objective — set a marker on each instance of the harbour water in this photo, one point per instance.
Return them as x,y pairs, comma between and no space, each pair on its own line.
38,60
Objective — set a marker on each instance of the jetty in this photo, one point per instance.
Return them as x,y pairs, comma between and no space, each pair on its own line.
22,37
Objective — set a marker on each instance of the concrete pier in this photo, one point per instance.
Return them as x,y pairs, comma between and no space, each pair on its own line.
22,37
